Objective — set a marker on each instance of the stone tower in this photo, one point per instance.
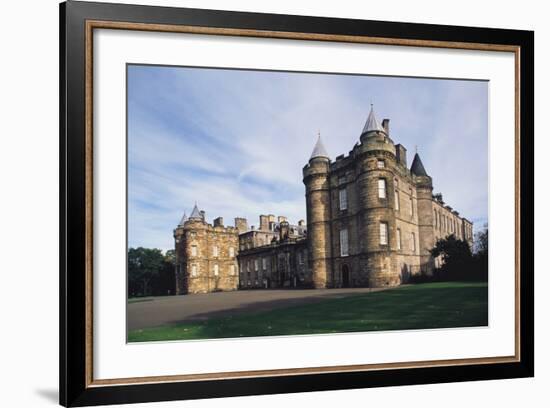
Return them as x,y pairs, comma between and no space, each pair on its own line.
206,255
376,185
316,180
424,190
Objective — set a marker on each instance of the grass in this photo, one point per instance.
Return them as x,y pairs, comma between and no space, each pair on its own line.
422,306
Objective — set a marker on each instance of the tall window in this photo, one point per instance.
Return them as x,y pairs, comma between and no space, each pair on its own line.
396,200
264,263
216,270
383,233
194,250
256,264
215,250
193,270
344,246
413,242
232,269
411,202
231,252
398,238
343,198
381,188
435,218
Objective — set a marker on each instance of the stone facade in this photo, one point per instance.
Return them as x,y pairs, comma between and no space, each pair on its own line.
371,219
206,256
280,261
371,222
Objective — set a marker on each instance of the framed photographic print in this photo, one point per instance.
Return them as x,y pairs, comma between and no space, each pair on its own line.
256,203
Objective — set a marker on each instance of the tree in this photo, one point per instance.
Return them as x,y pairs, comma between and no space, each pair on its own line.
457,259
481,241
165,283
481,255
170,256
144,264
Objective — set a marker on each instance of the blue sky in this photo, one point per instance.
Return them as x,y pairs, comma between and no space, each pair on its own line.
235,141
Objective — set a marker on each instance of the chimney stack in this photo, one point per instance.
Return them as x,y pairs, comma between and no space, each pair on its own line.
241,224
264,223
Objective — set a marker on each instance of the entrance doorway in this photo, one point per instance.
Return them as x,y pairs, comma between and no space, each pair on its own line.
345,276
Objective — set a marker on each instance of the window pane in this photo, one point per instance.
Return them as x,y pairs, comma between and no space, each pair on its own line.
381,188
343,198
344,242
383,233
398,238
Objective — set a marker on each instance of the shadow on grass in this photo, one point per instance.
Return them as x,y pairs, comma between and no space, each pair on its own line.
424,306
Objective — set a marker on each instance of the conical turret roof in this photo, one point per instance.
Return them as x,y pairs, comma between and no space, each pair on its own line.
417,167
372,125
319,149
195,214
183,219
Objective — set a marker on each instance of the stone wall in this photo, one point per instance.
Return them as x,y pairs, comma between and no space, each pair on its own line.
207,258
280,265
407,211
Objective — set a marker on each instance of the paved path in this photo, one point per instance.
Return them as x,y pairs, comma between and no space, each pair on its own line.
178,309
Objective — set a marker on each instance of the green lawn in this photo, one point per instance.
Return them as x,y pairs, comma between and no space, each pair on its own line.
422,306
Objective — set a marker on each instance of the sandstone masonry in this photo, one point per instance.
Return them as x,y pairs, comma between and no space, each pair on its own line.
371,222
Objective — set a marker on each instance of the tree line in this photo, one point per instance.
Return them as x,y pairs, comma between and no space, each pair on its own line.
150,272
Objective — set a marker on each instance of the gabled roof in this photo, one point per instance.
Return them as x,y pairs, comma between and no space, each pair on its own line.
372,125
195,214
183,219
319,150
417,167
